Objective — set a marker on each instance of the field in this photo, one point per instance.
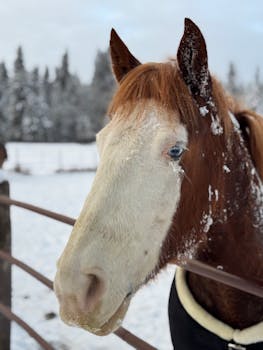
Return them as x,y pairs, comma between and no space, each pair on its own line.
52,182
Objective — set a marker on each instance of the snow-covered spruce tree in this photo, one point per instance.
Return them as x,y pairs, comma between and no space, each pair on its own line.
18,98
30,118
84,131
101,91
65,103
47,87
253,94
36,121
233,85
4,103
259,93
45,95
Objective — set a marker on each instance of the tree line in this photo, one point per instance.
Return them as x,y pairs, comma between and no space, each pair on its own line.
249,95
35,108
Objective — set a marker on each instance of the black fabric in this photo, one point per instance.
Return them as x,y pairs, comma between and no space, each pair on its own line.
187,334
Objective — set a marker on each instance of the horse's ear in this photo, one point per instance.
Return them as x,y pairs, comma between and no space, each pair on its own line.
251,125
193,63
122,60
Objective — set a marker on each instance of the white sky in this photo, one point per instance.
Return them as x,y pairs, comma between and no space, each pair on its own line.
46,28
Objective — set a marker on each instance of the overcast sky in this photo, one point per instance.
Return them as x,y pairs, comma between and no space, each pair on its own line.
151,29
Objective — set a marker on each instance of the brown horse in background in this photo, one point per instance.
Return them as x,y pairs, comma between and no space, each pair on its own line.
179,177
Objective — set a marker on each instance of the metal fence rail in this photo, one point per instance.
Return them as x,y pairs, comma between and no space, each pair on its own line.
254,287
13,317
50,214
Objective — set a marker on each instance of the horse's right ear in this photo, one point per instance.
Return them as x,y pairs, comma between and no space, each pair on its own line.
193,63
122,60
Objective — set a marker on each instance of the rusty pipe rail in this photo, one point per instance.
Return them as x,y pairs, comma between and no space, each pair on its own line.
13,317
11,260
51,214
252,287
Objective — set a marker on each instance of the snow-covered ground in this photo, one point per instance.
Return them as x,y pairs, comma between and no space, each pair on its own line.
39,241
47,158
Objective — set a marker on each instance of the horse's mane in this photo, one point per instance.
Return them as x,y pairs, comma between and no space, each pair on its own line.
162,82
251,125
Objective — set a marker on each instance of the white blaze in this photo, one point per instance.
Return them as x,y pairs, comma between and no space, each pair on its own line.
127,213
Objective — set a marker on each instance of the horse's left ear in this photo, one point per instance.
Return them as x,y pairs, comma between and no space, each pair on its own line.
193,63
122,60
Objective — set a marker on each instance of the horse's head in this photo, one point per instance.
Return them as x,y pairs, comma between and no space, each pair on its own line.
122,235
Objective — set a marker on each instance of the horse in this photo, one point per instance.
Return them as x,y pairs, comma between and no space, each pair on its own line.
179,177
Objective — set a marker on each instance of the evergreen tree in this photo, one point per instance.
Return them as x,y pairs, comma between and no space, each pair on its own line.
232,79
4,102
47,87
65,103
257,76
254,93
35,113
19,62
34,108
18,97
3,72
64,71
101,91
35,84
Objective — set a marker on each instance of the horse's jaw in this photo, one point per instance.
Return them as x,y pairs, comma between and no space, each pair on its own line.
123,223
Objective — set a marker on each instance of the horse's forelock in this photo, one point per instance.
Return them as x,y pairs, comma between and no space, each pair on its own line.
163,83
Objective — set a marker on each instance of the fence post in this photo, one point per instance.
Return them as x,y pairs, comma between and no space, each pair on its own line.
5,268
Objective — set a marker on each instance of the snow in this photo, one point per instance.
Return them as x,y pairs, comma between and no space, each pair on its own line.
216,127
48,158
210,193
189,251
216,195
2,175
226,169
203,111
234,121
39,242
207,221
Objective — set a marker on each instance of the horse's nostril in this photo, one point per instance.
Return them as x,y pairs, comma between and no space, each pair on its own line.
95,288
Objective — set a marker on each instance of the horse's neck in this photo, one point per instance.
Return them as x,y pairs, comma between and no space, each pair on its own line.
235,308
234,243
234,253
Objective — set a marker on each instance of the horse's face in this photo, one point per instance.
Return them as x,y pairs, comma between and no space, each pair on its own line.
117,240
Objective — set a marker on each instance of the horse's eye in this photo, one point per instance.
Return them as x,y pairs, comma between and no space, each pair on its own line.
175,152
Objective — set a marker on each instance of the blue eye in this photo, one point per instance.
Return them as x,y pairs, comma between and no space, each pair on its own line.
175,152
